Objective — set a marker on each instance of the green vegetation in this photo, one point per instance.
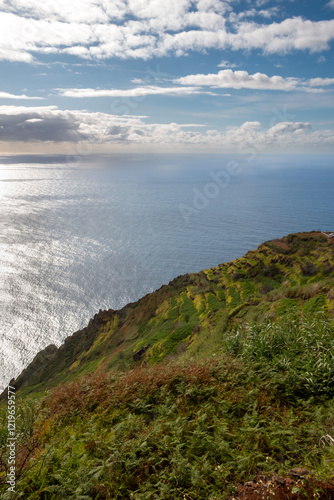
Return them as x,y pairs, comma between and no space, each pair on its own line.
193,389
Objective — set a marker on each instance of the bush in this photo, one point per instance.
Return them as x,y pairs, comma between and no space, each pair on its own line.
294,355
309,269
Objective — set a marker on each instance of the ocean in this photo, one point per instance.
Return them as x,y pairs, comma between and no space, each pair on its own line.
99,233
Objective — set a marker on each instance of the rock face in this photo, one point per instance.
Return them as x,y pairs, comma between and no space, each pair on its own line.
37,366
139,354
52,360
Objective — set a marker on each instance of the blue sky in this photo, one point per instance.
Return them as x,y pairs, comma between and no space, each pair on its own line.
99,76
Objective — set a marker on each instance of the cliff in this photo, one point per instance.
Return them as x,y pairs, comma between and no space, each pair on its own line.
218,385
293,272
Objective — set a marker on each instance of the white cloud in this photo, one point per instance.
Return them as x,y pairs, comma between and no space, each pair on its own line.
288,127
213,6
135,92
266,13
6,95
320,82
101,29
196,84
49,124
229,79
74,11
331,4
227,64
260,3
17,110
34,120
291,34
21,36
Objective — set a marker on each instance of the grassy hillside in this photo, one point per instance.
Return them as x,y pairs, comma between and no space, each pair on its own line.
192,390
188,316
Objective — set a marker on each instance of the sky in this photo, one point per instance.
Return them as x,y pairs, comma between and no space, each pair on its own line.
82,77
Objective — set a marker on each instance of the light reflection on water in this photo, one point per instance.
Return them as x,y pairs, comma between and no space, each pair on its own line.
74,240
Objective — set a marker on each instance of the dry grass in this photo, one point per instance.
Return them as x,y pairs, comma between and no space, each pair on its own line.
101,390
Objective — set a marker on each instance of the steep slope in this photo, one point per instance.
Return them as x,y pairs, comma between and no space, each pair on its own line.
217,386
186,317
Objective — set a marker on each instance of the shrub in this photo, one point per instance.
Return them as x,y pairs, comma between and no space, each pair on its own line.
294,355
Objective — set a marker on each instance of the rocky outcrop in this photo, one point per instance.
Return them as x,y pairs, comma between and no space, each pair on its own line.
52,360
35,369
139,354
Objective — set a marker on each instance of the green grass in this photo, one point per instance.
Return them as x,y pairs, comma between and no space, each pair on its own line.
294,356
187,429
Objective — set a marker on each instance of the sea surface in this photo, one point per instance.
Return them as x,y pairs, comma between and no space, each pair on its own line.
102,232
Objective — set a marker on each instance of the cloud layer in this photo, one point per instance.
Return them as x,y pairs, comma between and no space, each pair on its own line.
50,124
195,84
147,28
229,79
135,92
7,95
